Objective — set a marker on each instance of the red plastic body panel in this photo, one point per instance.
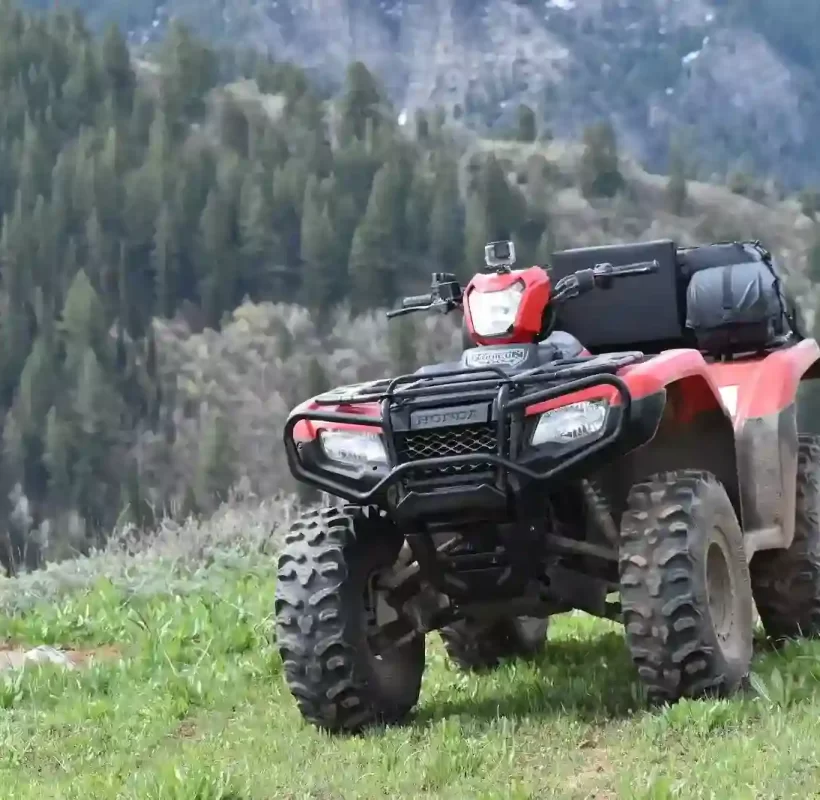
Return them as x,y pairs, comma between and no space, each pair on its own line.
766,386
530,316
306,431
651,377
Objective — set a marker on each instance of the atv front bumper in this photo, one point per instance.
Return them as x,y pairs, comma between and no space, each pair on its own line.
446,469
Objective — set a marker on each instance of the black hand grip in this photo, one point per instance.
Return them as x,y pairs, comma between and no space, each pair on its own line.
638,268
417,300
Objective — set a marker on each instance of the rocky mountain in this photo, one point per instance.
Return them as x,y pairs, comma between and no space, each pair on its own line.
737,80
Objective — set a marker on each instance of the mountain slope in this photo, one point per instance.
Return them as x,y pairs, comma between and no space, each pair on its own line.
738,77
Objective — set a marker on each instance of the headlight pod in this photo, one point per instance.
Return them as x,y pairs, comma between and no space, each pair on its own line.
571,423
493,313
353,447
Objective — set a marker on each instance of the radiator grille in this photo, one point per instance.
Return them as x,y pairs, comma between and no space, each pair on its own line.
454,441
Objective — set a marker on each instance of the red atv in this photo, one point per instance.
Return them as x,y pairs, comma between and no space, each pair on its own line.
662,462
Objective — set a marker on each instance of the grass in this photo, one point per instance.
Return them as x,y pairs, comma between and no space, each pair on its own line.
195,709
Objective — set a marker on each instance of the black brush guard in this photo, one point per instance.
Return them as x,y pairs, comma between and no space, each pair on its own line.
510,396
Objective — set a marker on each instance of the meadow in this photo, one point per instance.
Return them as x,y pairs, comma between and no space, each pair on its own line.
184,699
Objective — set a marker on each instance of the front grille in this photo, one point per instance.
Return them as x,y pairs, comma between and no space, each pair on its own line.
453,441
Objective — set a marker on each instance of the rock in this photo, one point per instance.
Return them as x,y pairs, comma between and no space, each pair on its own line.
49,655
18,658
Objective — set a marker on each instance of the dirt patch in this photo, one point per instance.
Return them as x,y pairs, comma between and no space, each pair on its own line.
187,729
19,657
595,778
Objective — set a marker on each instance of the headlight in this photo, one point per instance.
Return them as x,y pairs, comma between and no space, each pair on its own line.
572,422
493,313
352,447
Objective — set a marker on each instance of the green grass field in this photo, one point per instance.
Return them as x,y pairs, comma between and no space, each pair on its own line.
195,709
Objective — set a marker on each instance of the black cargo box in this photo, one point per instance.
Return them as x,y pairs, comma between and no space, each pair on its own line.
722,298
645,312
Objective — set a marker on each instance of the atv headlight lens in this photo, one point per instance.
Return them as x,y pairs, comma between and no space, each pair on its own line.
353,447
493,313
571,423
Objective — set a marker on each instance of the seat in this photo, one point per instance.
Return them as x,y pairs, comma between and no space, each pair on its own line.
566,345
559,345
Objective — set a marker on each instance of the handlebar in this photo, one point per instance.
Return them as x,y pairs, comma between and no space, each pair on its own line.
638,268
445,294
599,276
417,300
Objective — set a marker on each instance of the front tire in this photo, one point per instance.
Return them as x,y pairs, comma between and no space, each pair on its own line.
685,588
475,646
786,583
339,682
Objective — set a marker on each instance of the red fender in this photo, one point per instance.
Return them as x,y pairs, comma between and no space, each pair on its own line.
768,385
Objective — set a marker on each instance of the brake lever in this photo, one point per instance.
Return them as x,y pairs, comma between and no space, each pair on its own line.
443,306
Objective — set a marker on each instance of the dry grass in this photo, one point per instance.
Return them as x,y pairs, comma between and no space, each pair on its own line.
175,557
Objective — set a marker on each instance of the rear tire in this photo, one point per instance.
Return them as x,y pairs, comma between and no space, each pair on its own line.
338,681
474,646
685,588
786,583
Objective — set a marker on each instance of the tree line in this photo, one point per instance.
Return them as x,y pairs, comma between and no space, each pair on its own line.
132,190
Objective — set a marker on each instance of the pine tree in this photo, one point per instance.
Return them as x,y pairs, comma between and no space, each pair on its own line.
546,247
477,233
98,412
143,201
83,322
813,268
600,173
216,465
188,70
527,127
165,261
402,341
57,458
494,210
373,254
676,188
116,64
218,276
38,383
134,504
418,210
422,126
323,278
360,103
257,240
446,219
316,379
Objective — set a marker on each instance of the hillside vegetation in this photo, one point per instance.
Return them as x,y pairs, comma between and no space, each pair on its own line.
191,245
737,77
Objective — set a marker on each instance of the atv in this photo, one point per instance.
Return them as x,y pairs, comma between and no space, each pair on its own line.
621,437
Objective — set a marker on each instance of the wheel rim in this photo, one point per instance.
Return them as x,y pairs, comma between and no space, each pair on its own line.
720,589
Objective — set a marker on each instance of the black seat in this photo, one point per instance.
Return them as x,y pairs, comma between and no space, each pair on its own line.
564,344
559,345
